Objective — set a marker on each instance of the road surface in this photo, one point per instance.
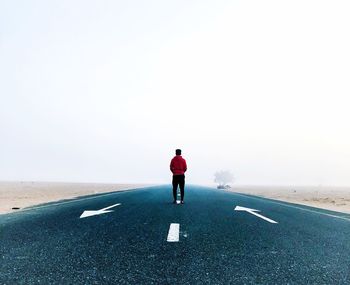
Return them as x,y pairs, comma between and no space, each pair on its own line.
140,237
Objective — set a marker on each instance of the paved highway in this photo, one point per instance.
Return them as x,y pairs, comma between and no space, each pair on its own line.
140,237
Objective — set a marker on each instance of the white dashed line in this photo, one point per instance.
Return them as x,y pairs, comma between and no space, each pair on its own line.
173,235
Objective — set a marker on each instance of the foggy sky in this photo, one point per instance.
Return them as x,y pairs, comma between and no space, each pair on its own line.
105,91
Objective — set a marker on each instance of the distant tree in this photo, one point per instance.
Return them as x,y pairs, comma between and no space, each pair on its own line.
223,177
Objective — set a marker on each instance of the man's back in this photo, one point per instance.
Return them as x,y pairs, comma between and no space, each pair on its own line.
178,165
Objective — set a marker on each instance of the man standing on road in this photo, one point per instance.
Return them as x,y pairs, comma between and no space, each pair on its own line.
178,167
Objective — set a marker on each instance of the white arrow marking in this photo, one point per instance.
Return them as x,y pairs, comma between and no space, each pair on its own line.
253,211
97,212
173,235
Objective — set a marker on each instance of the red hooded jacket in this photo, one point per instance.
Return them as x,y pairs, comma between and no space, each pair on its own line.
178,165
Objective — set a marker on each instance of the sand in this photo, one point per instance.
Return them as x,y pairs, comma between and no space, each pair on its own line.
25,194
330,198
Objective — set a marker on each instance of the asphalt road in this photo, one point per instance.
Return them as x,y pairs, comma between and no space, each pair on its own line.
51,244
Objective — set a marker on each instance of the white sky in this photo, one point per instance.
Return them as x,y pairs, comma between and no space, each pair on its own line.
104,91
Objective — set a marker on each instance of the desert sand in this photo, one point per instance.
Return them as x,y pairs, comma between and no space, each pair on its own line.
330,198
24,194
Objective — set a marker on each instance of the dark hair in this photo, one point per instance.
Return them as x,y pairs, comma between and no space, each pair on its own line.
178,152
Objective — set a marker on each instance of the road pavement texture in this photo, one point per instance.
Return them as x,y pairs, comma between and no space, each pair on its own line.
141,237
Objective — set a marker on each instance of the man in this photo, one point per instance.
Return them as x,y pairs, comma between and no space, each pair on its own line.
178,167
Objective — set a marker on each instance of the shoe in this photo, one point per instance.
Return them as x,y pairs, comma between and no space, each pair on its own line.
182,202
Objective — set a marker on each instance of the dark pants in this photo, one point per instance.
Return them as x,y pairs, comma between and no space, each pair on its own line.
179,180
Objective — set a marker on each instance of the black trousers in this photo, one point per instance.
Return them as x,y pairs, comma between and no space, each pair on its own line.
179,180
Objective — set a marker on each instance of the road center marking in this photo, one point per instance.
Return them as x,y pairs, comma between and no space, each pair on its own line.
174,231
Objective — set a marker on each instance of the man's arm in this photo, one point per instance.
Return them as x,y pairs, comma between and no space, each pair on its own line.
185,166
171,166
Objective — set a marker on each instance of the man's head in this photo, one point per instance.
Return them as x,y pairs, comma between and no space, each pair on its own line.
178,152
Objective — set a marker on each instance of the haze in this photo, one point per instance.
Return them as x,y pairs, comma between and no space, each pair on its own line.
104,91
